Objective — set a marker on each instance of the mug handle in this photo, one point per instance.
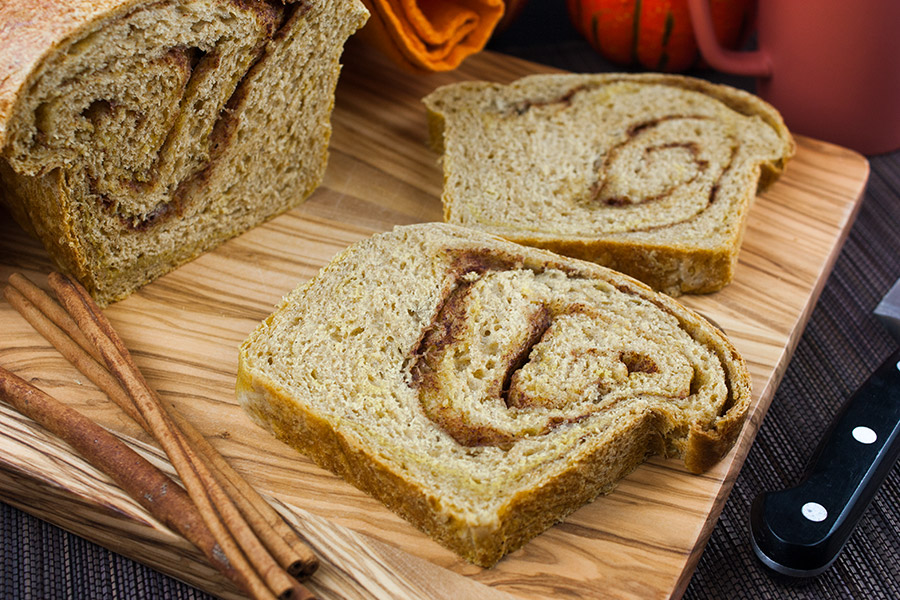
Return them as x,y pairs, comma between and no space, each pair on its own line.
754,63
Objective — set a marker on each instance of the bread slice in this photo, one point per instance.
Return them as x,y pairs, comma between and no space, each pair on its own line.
649,174
484,390
135,135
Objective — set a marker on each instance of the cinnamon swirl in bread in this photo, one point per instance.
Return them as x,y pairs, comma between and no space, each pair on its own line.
136,134
484,390
649,174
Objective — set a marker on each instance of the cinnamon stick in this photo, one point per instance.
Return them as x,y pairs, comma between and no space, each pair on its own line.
284,544
62,339
162,497
224,520
82,334
43,305
57,327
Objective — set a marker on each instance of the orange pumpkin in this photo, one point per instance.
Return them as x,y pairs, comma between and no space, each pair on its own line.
655,34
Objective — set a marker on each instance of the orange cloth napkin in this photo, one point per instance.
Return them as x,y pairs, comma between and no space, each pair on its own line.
431,35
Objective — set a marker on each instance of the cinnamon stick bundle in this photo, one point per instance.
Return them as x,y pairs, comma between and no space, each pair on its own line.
263,551
153,489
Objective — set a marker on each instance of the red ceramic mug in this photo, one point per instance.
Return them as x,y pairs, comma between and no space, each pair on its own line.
831,67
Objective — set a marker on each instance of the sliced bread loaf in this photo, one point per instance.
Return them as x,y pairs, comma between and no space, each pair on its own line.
137,134
649,174
484,390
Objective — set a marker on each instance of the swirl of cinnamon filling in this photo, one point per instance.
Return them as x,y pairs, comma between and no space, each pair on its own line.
664,172
514,353
652,175
131,110
588,155
149,132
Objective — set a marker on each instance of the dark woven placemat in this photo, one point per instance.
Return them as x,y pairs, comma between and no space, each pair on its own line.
39,561
842,344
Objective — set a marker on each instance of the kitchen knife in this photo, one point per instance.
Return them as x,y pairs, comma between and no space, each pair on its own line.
800,531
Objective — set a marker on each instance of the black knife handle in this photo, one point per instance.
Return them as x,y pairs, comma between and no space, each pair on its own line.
800,531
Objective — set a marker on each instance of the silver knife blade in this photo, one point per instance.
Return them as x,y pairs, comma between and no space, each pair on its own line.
888,310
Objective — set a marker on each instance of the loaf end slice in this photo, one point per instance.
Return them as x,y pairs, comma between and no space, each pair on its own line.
484,390
649,174
136,135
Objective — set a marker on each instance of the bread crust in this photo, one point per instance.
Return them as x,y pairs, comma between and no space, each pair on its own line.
670,269
357,454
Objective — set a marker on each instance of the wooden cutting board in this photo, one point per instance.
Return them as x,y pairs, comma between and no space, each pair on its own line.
641,541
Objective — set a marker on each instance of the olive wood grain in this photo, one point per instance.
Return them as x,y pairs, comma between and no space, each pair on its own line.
641,541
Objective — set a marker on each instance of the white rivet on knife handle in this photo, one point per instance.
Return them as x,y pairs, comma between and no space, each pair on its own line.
864,435
814,511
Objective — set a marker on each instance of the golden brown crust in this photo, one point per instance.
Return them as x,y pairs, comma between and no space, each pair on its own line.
436,124
707,446
668,269
41,206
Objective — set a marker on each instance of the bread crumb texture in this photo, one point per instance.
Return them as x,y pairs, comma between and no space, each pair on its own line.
135,135
649,174
484,390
